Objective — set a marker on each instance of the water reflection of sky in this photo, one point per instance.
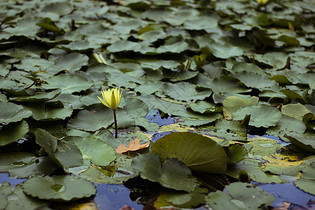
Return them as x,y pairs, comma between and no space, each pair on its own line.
289,193
114,197
4,177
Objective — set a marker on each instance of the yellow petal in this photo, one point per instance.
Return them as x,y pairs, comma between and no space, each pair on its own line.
111,98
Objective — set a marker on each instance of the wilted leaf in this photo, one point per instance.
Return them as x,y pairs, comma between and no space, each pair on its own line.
132,146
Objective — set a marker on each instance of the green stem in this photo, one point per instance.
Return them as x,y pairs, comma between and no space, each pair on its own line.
115,121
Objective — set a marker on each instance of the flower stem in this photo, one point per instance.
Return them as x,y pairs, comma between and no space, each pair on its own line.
115,121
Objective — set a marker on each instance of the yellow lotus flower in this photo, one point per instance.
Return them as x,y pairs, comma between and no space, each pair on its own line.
262,1
111,98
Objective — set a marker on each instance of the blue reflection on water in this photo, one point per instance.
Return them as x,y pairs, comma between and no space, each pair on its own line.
114,197
155,117
4,177
290,193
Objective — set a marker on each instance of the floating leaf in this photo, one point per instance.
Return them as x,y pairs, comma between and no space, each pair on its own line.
233,103
48,112
184,91
304,141
172,174
132,146
307,181
13,132
11,112
63,153
297,111
67,83
23,201
260,116
92,120
240,196
59,188
44,96
96,150
23,165
198,152
254,172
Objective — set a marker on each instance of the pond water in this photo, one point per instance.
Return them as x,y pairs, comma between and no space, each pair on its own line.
114,197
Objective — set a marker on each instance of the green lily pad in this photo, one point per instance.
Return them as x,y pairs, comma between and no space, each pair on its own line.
233,103
204,107
305,141
67,83
71,63
297,111
38,97
49,112
254,172
94,149
172,174
307,181
59,188
240,196
225,50
22,201
260,116
11,112
63,153
185,91
13,132
198,152
23,165
92,120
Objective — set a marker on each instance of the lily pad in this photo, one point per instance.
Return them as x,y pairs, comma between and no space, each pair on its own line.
49,112
59,188
260,116
67,83
23,165
22,201
11,112
184,91
307,181
240,196
92,120
172,174
305,141
96,150
198,152
13,132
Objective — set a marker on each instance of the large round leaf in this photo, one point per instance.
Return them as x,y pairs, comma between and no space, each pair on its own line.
198,152
59,188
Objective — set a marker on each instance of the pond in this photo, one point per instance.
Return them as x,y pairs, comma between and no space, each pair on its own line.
186,103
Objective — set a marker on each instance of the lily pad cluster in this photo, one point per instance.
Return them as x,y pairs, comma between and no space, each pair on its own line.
218,68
